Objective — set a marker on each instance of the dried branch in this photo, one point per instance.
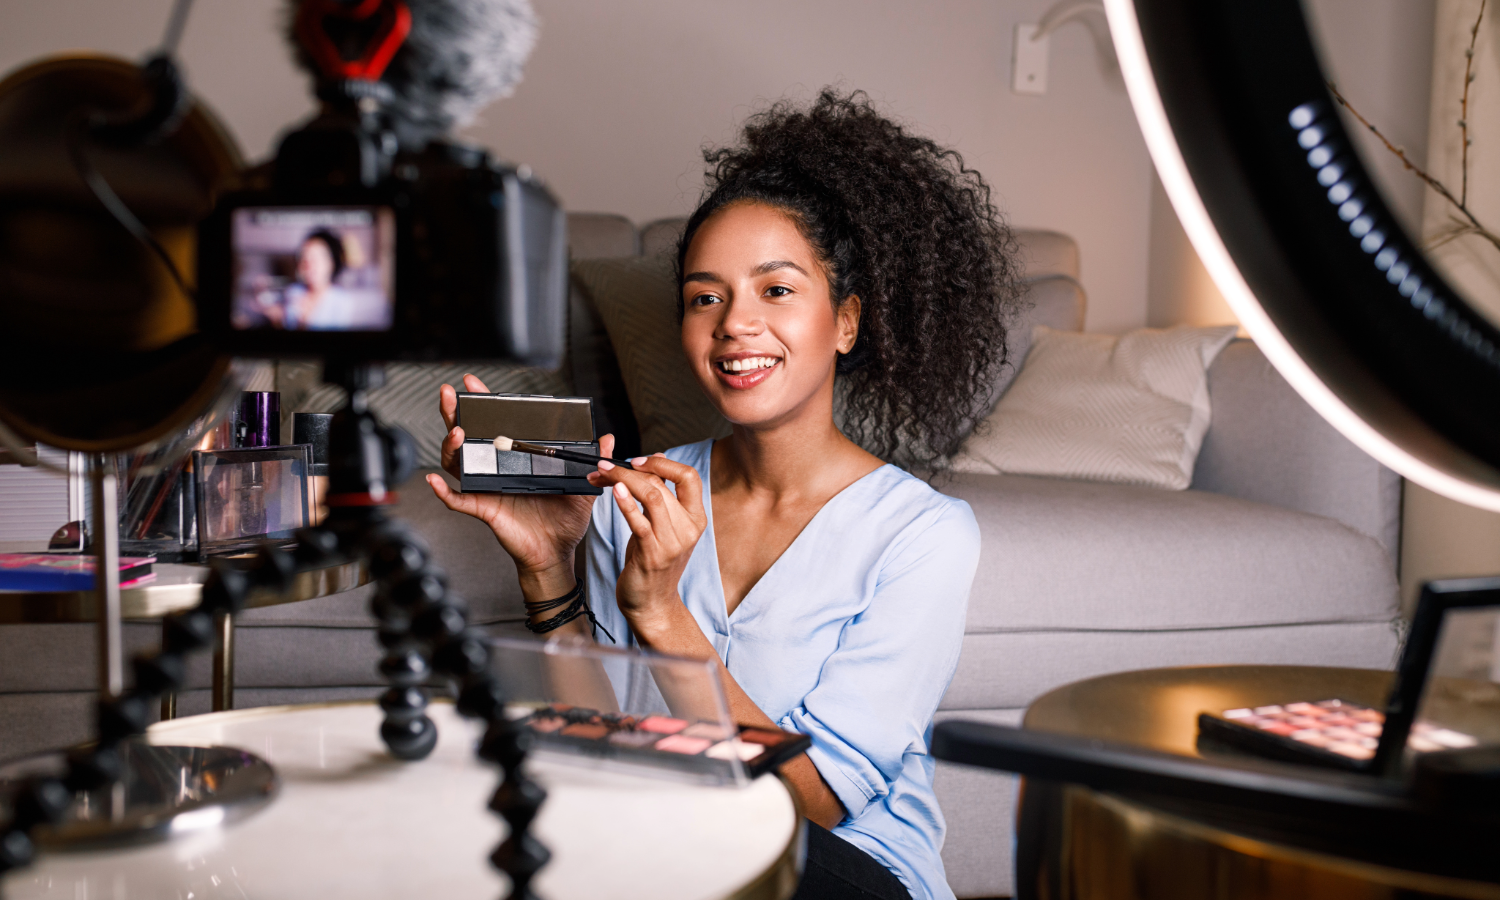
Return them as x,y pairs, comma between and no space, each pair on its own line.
1461,202
1405,160
1463,115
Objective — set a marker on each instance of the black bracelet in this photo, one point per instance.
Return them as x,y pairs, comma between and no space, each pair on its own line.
576,606
542,606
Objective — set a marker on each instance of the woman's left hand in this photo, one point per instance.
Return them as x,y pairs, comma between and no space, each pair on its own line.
663,535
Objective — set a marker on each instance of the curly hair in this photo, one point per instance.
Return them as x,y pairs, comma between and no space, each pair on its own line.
904,225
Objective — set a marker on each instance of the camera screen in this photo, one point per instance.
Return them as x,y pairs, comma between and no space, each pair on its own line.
330,268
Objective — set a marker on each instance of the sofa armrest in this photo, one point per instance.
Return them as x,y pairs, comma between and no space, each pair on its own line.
1266,444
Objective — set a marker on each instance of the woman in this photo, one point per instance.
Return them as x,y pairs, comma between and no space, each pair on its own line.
830,585
314,302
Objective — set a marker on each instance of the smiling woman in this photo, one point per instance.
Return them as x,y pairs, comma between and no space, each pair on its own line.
898,226
829,585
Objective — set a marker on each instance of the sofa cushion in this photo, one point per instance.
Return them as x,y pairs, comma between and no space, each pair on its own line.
1012,669
1056,301
409,397
1075,554
36,722
1266,444
979,806
659,238
601,236
637,300
479,571
1131,409
1045,253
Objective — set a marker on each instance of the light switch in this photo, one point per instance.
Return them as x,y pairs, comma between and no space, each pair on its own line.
1029,61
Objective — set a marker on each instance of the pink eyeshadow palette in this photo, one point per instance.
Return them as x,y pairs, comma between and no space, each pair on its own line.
733,749
681,743
663,725
706,730
1333,732
664,741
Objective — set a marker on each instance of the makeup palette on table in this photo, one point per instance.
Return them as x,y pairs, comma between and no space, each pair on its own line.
624,709
664,741
1331,732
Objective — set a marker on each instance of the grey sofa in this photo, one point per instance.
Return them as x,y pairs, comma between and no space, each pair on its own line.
1282,551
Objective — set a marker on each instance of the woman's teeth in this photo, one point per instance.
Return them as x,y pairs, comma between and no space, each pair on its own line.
748,365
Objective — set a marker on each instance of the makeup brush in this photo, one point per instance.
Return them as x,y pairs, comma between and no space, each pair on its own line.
504,443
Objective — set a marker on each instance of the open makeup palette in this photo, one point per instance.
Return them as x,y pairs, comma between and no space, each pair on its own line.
1332,732
666,742
623,709
1444,697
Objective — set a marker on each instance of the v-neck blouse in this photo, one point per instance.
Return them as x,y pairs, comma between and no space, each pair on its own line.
851,637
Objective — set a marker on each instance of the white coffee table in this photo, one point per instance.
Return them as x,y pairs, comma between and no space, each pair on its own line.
351,821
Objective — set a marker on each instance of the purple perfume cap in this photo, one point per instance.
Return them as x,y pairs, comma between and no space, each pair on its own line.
259,419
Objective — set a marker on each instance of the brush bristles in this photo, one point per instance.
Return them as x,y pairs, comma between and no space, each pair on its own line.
503,443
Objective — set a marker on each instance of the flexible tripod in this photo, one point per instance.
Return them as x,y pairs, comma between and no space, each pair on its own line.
424,630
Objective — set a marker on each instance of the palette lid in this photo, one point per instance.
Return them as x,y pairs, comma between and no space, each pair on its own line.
526,417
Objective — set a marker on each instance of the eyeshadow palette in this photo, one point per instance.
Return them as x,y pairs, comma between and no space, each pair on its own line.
664,742
1329,732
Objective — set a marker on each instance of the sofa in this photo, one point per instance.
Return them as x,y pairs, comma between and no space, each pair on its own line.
1282,551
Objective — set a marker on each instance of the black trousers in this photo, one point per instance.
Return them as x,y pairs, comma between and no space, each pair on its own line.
838,870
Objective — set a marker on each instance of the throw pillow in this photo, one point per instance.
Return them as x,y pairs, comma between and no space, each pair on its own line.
636,297
1130,409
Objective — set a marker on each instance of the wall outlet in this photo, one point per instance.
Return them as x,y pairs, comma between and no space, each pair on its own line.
1029,61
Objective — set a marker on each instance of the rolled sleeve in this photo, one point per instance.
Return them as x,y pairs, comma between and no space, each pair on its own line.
876,696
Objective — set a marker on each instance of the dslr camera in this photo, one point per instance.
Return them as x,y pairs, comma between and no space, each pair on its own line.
352,248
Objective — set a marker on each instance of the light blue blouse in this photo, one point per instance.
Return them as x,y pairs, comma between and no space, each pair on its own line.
851,637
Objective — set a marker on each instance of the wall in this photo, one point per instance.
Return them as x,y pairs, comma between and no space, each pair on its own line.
1446,538
621,96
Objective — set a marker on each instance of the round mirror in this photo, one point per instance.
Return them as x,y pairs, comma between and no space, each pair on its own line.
98,346
1253,152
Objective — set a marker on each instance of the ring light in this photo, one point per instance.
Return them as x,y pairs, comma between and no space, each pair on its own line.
1275,199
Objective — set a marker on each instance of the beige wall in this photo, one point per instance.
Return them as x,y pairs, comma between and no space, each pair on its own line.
621,95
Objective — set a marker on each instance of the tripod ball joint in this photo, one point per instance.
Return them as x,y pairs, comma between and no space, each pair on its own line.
274,570
226,589
396,551
159,673
410,739
16,849
187,631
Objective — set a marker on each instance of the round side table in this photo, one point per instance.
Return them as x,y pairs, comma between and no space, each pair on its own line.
1075,843
351,821
178,587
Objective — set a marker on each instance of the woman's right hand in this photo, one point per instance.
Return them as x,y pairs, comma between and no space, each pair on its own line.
539,531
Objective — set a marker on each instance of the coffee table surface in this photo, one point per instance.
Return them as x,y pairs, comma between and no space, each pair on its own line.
351,821
1158,708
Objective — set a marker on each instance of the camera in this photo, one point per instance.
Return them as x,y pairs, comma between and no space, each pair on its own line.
350,247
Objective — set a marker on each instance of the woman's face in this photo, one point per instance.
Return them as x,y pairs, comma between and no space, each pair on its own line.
759,327
315,265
